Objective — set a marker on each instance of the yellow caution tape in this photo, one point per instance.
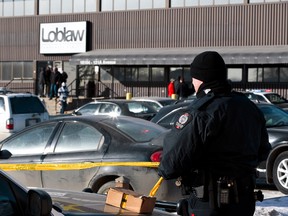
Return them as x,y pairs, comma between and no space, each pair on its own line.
73,166
156,187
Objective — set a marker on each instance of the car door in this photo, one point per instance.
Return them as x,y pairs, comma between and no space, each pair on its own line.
78,147
27,149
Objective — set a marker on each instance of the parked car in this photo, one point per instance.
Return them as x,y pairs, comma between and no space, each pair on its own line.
156,102
166,115
78,152
19,110
268,96
117,107
17,200
275,169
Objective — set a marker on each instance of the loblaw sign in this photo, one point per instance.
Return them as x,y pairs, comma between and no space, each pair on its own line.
68,37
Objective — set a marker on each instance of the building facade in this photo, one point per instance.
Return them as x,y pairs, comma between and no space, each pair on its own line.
112,47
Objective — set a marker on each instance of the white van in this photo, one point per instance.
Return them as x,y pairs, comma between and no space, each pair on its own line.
19,110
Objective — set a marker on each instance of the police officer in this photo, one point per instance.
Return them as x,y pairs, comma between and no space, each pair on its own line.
219,140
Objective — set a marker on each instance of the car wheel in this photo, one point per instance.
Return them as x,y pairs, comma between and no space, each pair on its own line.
105,187
280,172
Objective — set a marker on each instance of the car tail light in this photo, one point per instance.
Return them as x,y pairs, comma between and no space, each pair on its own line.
156,156
10,124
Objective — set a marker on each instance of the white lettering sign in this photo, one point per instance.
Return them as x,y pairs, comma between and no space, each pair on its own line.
98,62
68,37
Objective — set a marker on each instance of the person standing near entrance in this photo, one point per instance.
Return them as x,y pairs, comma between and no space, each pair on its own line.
63,95
182,89
171,88
216,144
47,77
41,82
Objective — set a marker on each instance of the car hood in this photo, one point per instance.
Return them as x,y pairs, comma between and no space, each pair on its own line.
79,202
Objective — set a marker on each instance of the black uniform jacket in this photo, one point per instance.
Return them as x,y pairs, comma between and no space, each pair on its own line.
222,132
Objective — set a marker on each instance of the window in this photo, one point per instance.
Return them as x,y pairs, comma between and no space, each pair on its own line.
106,73
177,3
106,5
8,202
142,131
146,4
119,74
77,136
255,75
89,109
234,74
2,106
143,74
115,5
31,142
55,6
18,7
12,70
283,74
8,8
21,105
78,6
17,69
90,6
270,74
119,5
132,4
6,70
67,6
158,74
266,74
29,7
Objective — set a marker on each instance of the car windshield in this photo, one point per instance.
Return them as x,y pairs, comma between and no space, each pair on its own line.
139,130
274,116
275,98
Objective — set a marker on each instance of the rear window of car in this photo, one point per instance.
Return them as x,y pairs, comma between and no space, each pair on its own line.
136,107
139,130
22,105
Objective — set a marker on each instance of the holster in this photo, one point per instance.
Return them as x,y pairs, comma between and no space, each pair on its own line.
216,192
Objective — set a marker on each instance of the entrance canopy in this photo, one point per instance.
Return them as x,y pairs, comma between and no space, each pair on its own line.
181,56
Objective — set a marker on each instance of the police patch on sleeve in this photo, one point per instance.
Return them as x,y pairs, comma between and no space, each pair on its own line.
183,121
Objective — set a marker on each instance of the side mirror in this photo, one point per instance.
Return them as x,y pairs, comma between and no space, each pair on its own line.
75,113
39,203
5,154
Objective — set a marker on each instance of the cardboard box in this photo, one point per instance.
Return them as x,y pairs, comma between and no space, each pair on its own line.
130,200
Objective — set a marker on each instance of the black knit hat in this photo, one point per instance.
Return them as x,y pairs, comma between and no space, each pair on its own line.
208,66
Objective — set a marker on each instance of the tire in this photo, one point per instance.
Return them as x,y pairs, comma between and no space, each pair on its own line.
105,187
280,172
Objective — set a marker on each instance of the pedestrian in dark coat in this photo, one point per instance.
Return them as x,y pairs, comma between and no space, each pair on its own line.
41,81
216,144
182,89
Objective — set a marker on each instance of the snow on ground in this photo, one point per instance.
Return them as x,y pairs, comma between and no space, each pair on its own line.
274,204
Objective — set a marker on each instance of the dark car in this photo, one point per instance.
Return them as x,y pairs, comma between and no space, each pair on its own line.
17,200
156,102
276,169
79,152
166,115
116,107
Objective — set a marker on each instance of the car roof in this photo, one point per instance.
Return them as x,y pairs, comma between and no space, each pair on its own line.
13,94
153,98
